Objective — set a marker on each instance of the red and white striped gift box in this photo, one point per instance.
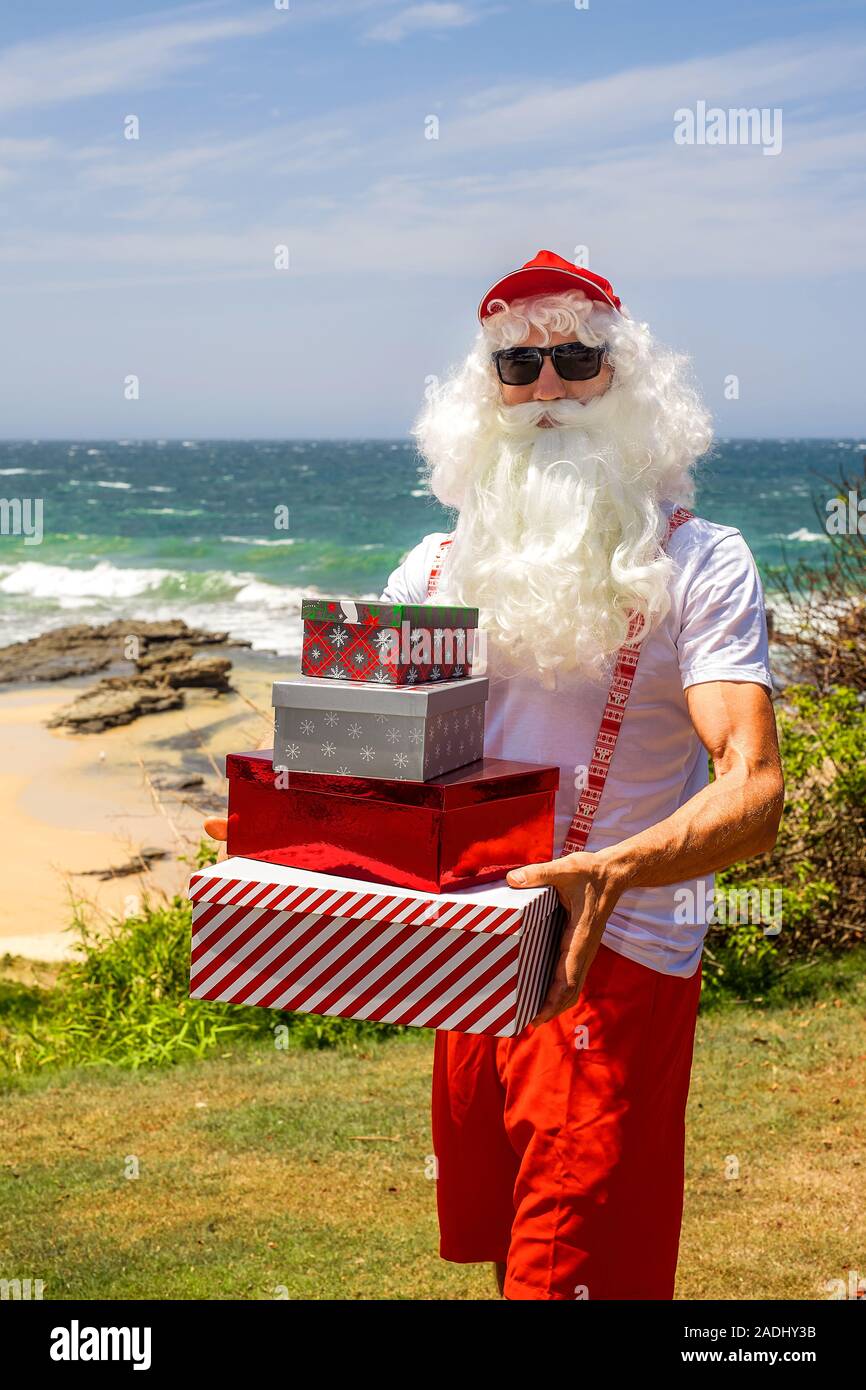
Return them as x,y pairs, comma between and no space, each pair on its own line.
477,961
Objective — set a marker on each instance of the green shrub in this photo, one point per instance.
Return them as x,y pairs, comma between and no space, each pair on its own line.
125,1003
819,861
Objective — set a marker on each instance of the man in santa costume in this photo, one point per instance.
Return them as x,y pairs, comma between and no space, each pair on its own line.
625,640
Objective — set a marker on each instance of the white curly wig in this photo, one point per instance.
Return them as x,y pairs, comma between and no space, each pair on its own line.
559,529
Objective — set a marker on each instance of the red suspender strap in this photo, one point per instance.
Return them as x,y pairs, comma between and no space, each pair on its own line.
624,671
433,581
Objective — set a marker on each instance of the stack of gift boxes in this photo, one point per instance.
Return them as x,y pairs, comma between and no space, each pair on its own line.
368,849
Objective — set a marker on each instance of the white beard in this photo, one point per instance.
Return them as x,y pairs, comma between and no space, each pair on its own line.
559,532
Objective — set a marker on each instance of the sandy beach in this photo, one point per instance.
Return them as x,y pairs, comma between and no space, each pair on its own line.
73,803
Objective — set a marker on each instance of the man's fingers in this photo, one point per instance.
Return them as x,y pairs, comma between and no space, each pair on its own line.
217,828
563,991
533,875
557,1001
564,988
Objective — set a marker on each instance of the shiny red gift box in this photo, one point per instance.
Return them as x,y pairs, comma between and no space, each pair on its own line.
467,827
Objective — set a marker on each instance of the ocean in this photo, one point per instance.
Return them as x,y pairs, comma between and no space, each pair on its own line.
231,535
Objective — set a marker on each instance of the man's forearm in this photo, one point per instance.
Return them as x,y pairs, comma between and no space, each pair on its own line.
734,818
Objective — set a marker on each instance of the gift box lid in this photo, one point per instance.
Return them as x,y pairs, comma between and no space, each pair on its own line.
495,909
368,697
488,779
377,614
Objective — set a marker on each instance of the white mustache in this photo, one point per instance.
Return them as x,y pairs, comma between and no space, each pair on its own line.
514,420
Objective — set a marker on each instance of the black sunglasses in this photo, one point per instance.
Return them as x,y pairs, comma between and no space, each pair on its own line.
520,366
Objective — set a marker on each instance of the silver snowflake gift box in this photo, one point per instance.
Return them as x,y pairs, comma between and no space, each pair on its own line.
362,730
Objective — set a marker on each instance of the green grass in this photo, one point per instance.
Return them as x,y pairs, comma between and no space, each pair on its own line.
256,1174
781,1090
125,1003
303,1171
263,1170
777,983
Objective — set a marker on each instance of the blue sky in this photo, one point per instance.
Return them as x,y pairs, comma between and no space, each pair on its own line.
305,127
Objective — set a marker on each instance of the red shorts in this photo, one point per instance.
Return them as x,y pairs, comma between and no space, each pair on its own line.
561,1152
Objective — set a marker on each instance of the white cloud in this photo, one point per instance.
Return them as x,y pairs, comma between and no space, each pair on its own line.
20,154
26,148
417,18
660,210
282,148
110,59
597,165
599,112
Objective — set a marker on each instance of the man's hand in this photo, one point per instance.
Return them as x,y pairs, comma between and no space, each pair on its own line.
589,891
217,827
734,818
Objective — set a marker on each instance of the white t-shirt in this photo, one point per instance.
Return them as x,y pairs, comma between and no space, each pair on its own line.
716,630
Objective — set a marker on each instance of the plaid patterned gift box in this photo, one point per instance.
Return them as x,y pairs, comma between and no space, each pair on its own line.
387,643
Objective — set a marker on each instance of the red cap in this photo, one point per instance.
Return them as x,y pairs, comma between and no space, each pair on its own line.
548,273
